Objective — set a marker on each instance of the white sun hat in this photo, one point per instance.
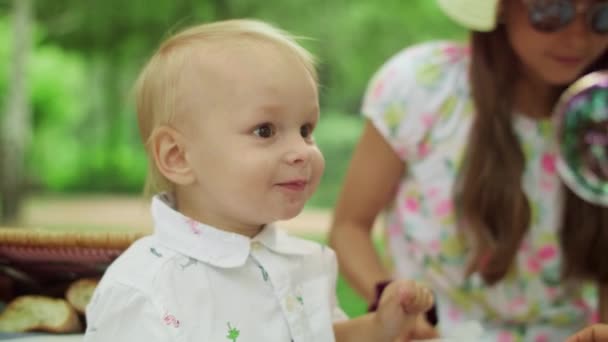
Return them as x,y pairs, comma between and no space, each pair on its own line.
477,15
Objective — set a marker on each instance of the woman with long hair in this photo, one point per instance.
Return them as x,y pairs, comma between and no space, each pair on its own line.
458,149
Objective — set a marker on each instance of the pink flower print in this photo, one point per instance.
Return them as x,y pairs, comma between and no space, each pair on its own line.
455,52
533,265
595,317
581,305
547,253
377,92
380,85
525,246
517,304
444,208
427,120
435,247
402,152
454,314
394,230
551,292
548,163
423,149
194,228
411,204
433,192
546,184
506,336
541,338
413,249
169,319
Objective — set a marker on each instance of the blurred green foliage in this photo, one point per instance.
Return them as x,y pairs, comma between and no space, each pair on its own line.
87,54
336,136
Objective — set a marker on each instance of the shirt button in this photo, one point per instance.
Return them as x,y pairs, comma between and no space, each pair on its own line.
256,245
290,303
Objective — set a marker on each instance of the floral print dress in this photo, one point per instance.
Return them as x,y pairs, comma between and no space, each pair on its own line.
420,102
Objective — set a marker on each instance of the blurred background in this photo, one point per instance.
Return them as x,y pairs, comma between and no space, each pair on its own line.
70,154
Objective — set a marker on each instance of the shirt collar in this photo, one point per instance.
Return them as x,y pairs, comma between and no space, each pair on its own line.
215,246
280,242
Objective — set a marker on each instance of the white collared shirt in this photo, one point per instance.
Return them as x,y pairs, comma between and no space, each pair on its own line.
192,282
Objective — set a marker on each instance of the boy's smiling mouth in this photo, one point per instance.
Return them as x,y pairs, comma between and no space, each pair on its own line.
294,185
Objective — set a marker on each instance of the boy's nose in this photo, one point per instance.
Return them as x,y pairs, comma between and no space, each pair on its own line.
298,154
296,157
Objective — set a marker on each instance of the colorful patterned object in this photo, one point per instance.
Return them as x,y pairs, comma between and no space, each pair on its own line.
581,119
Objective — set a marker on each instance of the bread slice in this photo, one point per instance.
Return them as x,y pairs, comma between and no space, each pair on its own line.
39,313
80,292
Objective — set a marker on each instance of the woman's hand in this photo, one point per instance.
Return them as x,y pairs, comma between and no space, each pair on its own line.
595,333
423,330
402,305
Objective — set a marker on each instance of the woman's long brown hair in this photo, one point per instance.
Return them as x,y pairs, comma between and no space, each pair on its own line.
492,206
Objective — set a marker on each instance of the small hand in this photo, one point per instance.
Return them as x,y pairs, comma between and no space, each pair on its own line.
594,333
401,304
423,330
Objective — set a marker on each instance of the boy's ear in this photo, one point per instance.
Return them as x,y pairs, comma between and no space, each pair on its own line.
169,155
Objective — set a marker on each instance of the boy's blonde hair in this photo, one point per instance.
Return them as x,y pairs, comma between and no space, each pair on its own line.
157,86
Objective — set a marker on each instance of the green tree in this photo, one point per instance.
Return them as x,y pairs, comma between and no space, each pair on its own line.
87,55
15,133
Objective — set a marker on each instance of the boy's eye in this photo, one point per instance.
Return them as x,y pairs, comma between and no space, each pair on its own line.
264,130
306,130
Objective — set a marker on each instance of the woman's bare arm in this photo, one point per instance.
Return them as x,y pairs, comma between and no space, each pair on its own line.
371,181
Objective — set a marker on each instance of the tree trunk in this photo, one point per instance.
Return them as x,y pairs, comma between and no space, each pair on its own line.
15,125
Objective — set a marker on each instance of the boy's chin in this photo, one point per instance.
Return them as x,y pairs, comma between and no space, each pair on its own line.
290,213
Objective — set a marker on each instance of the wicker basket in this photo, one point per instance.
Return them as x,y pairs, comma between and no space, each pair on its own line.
46,246
46,262
38,258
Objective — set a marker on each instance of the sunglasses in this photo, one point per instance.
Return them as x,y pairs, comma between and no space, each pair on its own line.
554,15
